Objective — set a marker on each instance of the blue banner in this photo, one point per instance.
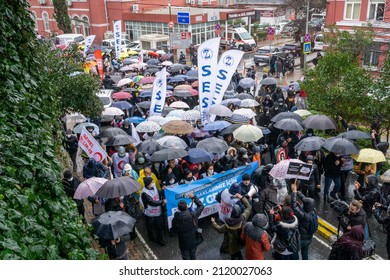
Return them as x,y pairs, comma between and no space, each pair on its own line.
206,190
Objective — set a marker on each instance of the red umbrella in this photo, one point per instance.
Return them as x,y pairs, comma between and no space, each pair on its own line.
152,53
121,95
194,92
146,80
195,84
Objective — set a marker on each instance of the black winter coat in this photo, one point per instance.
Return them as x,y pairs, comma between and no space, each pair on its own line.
331,169
304,218
185,223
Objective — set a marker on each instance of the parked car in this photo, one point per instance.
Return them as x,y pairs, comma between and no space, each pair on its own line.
111,43
294,48
263,54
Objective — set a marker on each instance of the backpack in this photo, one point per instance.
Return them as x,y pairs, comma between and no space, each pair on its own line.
313,223
294,241
336,253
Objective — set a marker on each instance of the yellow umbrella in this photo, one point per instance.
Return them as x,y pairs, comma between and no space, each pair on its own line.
123,55
247,133
369,156
132,52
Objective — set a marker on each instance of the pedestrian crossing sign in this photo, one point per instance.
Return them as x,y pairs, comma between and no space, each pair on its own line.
307,47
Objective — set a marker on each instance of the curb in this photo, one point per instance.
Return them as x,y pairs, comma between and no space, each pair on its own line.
326,230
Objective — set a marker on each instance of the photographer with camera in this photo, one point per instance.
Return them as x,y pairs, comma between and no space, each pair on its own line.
355,216
382,215
369,194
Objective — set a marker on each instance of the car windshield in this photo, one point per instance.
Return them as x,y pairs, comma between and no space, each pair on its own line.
263,51
245,35
132,45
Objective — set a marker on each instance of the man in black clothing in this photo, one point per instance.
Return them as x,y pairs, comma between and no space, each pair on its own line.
70,184
356,216
71,145
185,224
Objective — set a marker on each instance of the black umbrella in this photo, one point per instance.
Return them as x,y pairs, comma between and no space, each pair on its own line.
182,93
149,146
355,134
176,79
112,131
268,81
120,140
341,146
151,70
312,143
196,155
168,154
176,67
230,129
123,105
320,122
246,82
113,224
153,62
118,187
213,145
192,73
286,115
144,104
167,109
289,124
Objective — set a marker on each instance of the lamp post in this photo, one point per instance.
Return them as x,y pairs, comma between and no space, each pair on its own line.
169,28
306,30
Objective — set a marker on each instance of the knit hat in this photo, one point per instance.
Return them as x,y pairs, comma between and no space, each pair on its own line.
148,181
246,176
260,220
67,174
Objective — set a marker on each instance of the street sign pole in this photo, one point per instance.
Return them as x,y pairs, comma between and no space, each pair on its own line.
306,31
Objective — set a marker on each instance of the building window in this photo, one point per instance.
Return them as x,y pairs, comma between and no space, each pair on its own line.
46,24
352,9
371,55
77,27
87,30
34,18
376,9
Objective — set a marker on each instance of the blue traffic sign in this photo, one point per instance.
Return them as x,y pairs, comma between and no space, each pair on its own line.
307,47
183,17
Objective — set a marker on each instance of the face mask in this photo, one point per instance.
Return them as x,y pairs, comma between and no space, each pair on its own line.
141,160
68,136
172,181
210,172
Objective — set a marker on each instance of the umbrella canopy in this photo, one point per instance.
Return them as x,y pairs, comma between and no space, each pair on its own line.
153,62
236,118
118,187
176,113
155,119
136,79
135,120
78,128
121,140
183,87
172,142
144,104
152,53
89,187
340,145
124,81
176,79
243,96
245,112
295,85
192,73
195,84
148,126
289,124
197,133
302,113
146,80
112,111
279,171
121,95
385,178
286,115
179,105
122,105
167,120
176,67
220,110
166,63
246,82
149,146
213,145
216,125
74,118
320,122
234,101
178,127
145,93
248,133
182,93
168,154
112,131
191,115
196,155
369,156
230,129
112,224
313,143
268,81
355,134
249,103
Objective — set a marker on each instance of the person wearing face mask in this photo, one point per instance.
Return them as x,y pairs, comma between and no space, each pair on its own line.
368,194
127,127
71,145
209,171
157,168
129,171
309,133
242,158
70,184
275,110
147,172
172,167
264,118
140,162
268,102
332,166
188,177
282,105
170,181
119,159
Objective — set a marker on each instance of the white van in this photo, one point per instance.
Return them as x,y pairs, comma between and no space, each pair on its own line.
67,39
241,37
319,42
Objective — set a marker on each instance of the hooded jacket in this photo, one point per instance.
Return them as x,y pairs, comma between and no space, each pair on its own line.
185,224
281,230
256,239
303,213
368,194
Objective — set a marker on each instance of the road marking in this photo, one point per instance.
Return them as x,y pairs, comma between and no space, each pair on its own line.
322,242
148,249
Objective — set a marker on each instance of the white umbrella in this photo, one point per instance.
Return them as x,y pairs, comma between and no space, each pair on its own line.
179,105
245,112
173,142
220,110
148,126
72,119
124,81
155,119
248,133
167,63
176,113
160,52
249,103
112,111
191,115
168,119
302,112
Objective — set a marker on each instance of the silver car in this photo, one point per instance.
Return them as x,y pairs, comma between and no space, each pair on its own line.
263,54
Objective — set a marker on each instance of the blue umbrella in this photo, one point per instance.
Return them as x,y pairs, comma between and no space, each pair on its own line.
265,130
135,120
176,79
192,73
217,125
145,93
123,105
295,84
196,155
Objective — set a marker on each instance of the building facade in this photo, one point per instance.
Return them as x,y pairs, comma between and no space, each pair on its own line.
363,14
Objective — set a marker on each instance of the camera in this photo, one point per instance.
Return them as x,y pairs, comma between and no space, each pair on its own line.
341,207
